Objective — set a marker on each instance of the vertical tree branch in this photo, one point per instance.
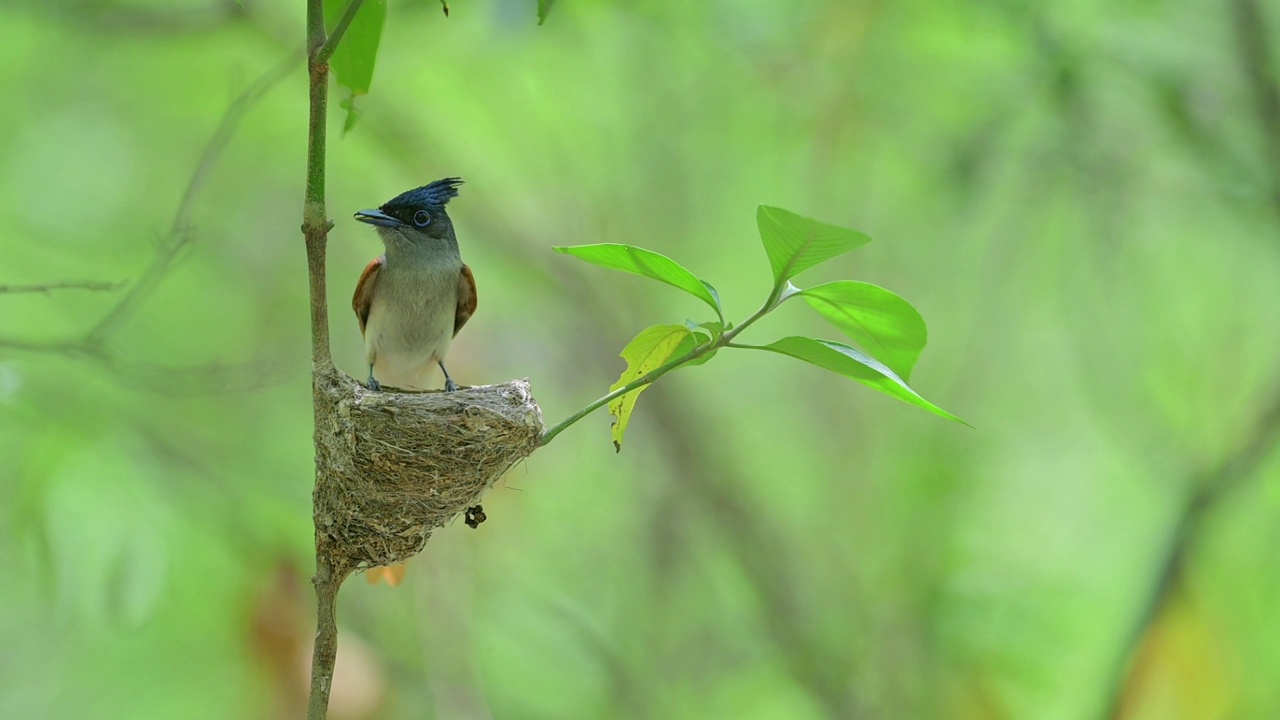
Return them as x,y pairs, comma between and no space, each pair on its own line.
315,231
327,581
315,223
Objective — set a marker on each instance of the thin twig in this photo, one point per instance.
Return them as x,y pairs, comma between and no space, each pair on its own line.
90,347
772,302
331,44
47,288
180,234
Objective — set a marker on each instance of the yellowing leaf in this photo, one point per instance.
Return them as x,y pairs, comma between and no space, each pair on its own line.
649,350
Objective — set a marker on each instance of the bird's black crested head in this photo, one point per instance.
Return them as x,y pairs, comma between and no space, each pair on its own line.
420,208
428,197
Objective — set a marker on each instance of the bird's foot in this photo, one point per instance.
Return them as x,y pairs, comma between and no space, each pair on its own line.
373,384
450,385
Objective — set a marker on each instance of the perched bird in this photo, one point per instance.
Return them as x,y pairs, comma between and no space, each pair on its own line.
413,300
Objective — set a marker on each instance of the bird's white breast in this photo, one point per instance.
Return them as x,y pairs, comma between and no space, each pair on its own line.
411,322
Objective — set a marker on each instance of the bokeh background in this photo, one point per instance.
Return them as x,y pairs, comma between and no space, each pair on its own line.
1081,198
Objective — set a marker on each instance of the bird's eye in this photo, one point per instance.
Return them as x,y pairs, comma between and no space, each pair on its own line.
422,218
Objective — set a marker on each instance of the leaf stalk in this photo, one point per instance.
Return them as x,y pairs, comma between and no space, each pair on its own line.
649,377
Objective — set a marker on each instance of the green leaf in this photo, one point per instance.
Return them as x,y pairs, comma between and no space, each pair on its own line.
711,329
352,61
353,114
702,333
795,244
650,349
632,259
854,364
544,8
884,324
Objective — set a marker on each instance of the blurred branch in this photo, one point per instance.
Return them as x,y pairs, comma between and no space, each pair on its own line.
180,234
122,17
315,231
1259,68
91,347
254,374
1211,487
756,549
48,288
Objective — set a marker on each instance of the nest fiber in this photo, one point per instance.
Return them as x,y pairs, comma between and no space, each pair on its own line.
394,466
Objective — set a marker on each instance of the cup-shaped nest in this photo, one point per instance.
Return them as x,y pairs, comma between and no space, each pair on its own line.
392,466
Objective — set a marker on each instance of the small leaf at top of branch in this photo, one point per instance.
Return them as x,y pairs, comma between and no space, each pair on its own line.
544,8
353,59
637,260
353,114
853,364
884,324
795,244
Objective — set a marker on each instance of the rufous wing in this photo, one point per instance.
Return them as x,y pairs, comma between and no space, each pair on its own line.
363,298
466,298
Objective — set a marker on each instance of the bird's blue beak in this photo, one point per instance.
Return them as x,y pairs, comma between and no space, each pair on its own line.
377,217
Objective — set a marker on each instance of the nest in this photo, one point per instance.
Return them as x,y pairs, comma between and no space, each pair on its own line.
392,467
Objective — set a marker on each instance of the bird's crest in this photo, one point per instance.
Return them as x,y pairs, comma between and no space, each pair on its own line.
434,195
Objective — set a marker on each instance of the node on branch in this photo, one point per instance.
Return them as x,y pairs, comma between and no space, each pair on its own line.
391,466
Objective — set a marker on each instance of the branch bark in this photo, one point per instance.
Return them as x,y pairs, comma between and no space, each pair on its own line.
327,582
315,231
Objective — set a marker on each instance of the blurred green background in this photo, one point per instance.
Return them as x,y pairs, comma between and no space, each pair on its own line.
1081,198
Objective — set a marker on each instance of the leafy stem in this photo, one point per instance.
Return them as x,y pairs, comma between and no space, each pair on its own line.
648,378
872,316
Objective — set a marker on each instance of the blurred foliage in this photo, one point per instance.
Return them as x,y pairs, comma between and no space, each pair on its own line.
1082,198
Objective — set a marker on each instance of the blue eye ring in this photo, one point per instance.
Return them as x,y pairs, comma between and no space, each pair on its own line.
422,218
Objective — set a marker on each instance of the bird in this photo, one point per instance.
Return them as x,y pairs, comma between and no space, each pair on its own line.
412,301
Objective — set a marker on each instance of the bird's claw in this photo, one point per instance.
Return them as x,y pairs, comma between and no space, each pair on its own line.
450,385
374,384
